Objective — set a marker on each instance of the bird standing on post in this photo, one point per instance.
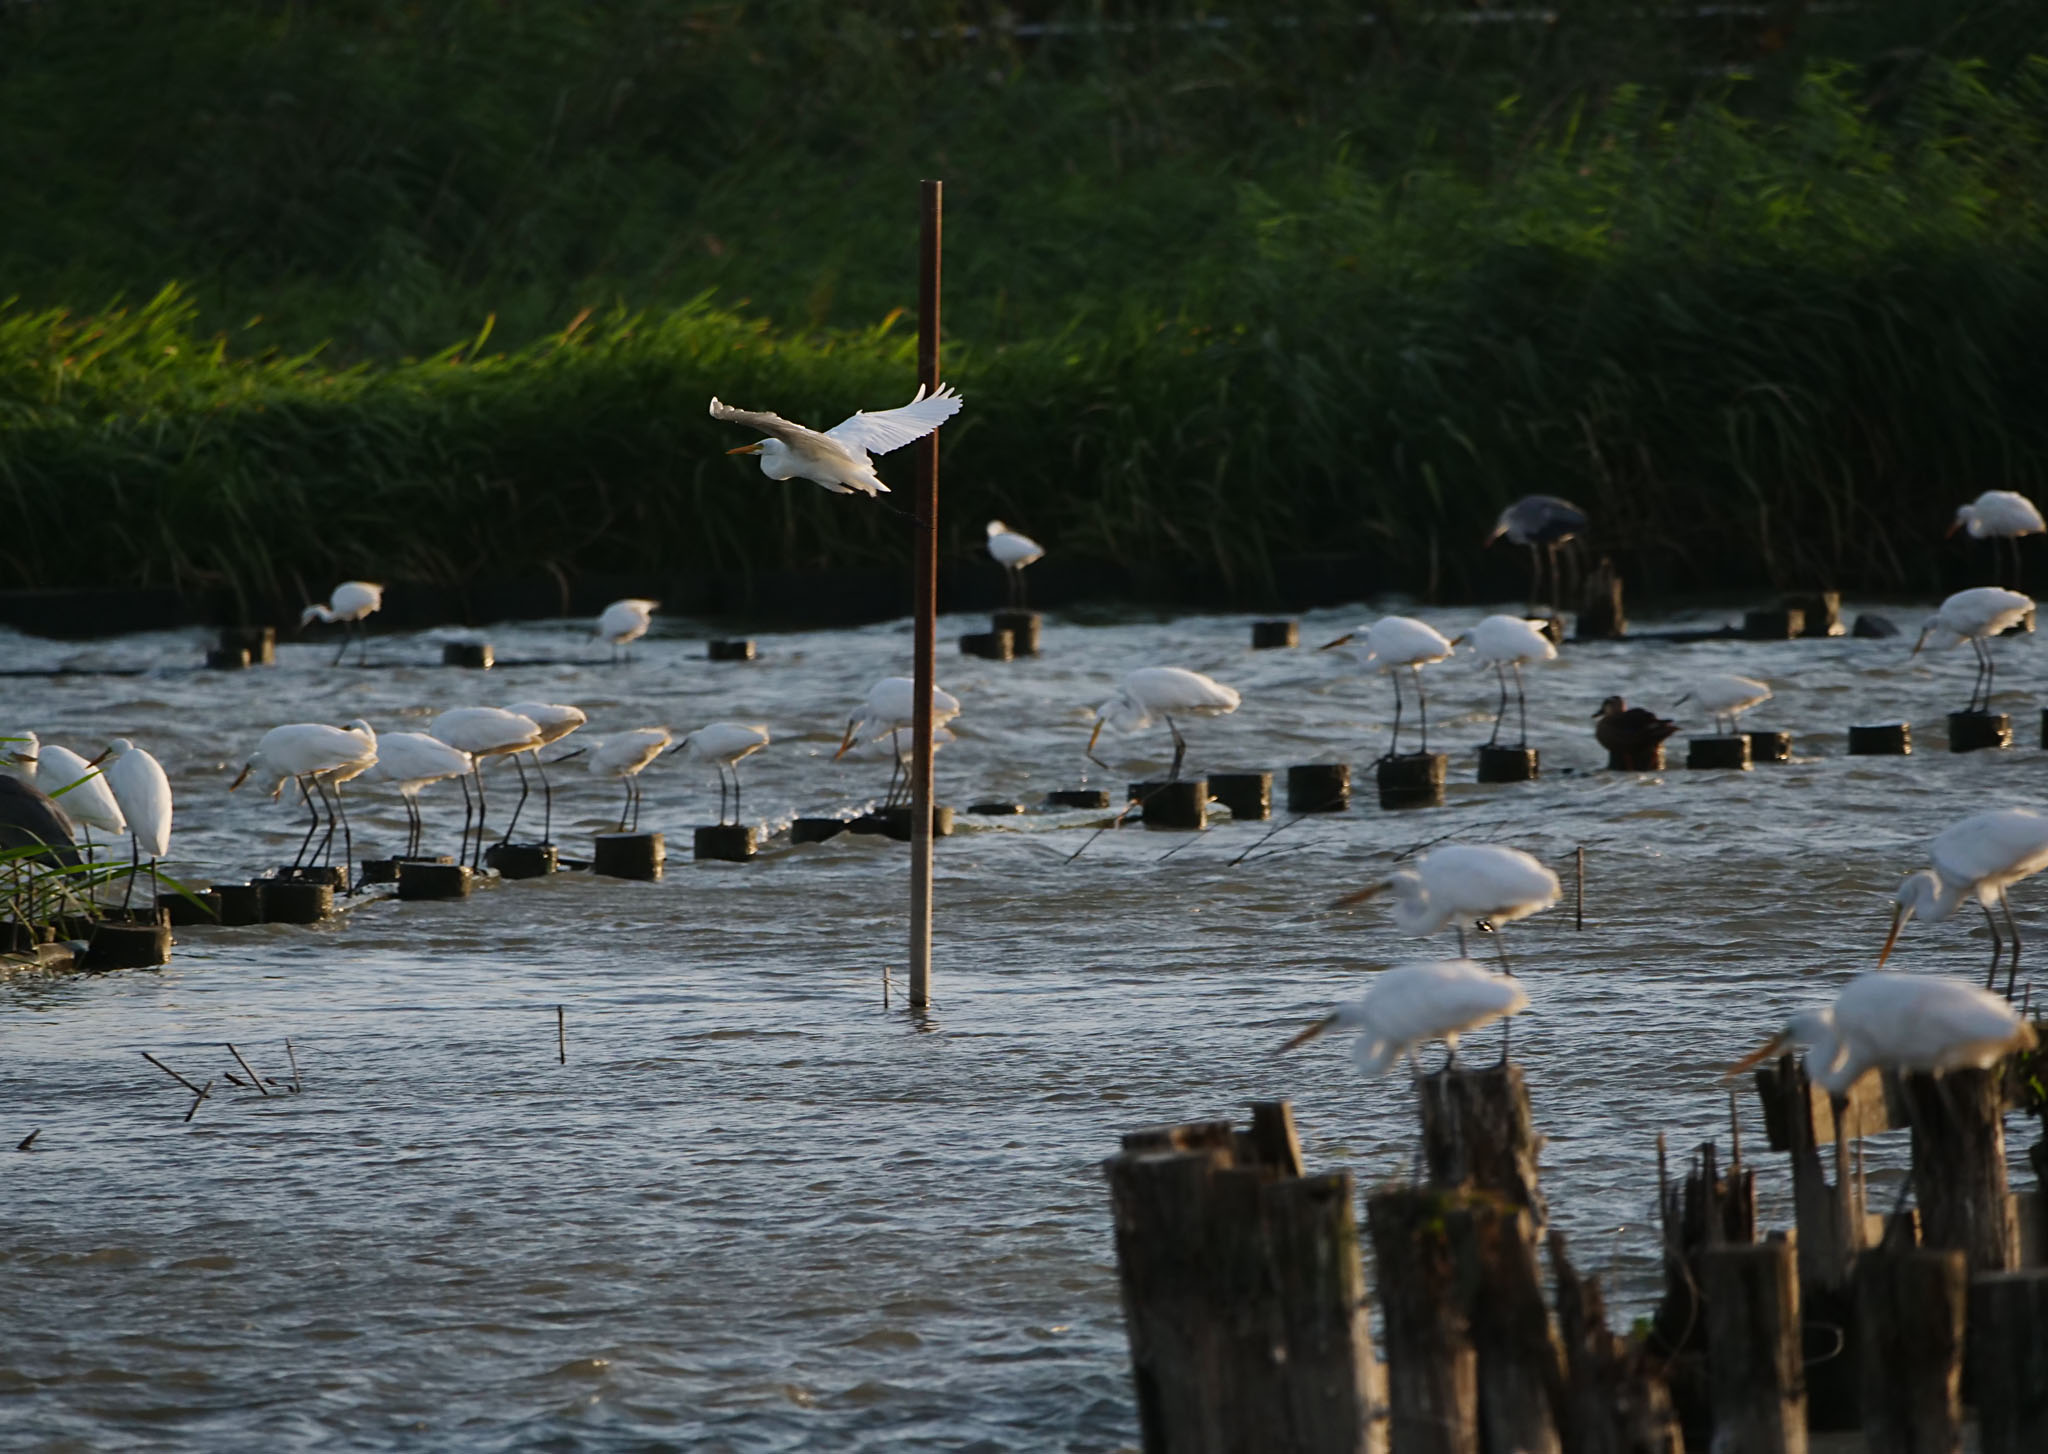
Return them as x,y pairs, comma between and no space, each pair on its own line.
556,720
412,760
350,603
1999,515
1412,1004
1013,552
887,712
74,785
1984,854
139,785
1629,733
484,732
622,756
1165,692
1393,642
1725,697
1975,616
312,754
1503,642
625,621
838,458
724,745
1542,523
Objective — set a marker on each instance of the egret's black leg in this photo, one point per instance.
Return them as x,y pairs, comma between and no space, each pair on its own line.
1421,706
1521,704
1500,711
2012,962
312,823
1394,747
134,867
1997,946
348,845
462,851
326,853
1180,750
1461,941
518,763
735,793
1990,674
626,806
476,770
547,799
344,649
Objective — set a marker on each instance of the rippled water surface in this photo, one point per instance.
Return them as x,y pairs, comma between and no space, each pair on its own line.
755,1211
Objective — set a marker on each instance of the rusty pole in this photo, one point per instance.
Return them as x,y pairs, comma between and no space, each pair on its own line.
925,601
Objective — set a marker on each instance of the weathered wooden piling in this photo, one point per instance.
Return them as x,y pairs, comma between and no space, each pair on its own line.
221,658
334,875
142,944
1023,627
2008,1326
724,842
1910,1306
1718,753
1319,787
179,911
1974,731
1777,623
1478,1132
1698,1212
1959,1182
1616,1399
1248,795
1180,804
386,870
1244,1299
815,830
1275,635
996,808
238,905
738,649
895,823
1643,757
468,655
1881,739
1521,1376
260,642
1601,617
422,880
1412,780
1821,610
1508,764
523,860
2044,726
1755,1359
988,645
1769,746
630,855
1077,798
296,901
1432,1363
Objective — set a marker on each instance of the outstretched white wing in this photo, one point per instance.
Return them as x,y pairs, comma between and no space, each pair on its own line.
772,425
888,429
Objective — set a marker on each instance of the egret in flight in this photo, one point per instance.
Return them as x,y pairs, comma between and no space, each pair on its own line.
311,755
1983,855
350,603
622,756
1725,697
724,745
556,720
1393,642
838,458
1013,551
1503,642
1165,692
1975,616
1999,516
412,760
484,732
624,621
1412,1004
1542,523
886,712
139,785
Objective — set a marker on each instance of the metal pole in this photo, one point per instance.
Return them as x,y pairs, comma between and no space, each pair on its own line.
925,602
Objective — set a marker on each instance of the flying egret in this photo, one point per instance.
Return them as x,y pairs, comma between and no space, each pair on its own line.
888,707
1412,1004
1983,855
1725,697
1400,641
1975,616
311,755
838,457
1509,641
622,756
1012,552
28,819
412,760
724,745
556,720
77,787
485,732
1542,523
1628,730
139,785
1999,515
624,621
1165,692
350,603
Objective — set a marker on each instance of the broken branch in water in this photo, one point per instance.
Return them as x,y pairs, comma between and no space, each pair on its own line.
252,1074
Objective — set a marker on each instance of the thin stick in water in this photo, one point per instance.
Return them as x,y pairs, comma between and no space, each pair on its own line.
29,1140
885,986
1734,1131
202,1090
1579,891
296,1087
172,1073
252,1074
1264,838
561,1037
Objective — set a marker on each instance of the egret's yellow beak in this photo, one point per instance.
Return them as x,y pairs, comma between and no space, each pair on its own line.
100,759
1311,1032
1953,527
241,777
1773,1046
1492,535
845,743
746,449
1368,892
1918,644
1459,639
1898,922
1344,640
1093,735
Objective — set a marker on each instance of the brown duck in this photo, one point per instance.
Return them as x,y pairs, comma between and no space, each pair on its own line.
1631,735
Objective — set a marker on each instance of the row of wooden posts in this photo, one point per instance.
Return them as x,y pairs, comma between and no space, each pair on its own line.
1249,1315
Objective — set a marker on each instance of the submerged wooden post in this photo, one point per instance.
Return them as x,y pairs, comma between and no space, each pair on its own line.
1520,1368
1243,1294
1697,1214
1756,1381
1478,1132
1958,1121
1432,1364
1909,1308
1616,1401
2009,1360
925,601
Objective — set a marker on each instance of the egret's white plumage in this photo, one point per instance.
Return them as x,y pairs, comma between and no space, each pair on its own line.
1412,1004
1394,642
143,794
1012,551
1975,616
1504,643
1984,854
622,756
412,760
556,720
625,621
724,745
1165,692
1465,883
1906,1022
302,750
485,732
886,713
350,603
1998,514
18,754
838,458
1725,696
78,788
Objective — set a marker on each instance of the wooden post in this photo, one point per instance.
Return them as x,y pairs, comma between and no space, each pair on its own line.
1616,1399
1755,1377
1958,1121
925,602
1478,1132
1697,1214
1432,1365
1520,1370
2009,1358
1601,617
1909,1308
1243,1294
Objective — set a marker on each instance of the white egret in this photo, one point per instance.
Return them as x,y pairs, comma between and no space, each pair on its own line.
1999,515
1628,730
1412,1004
1725,697
1012,551
622,756
624,621
724,745
1486,884
1984,854
78,787
1542,523
556,720
484,732
18,755
888,707
139,785
350,603
1399,641
412,760
1509,641
1975,616
314,755
1164,692
838,458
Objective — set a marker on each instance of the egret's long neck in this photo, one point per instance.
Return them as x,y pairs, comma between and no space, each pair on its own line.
1942,900
775,461
1413,913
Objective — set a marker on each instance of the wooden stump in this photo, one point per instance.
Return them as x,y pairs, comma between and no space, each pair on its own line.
1601,617
420,880
523,860
1181,803
1616,1400
815,830
221,658
2009,1360
1412,780
1023,628
738,649
996,808
1432,1364
1718,752
1756,1376
472,655
1975,731
127,946
1478,1132
1319,787
289,901
259,641
1821,610
1508,765
1909,1311
239,905
1959,1182
1778,624
1881,739
1248,795
1269,635
1648,758
724,842
1520,1368
1769,746
630,855
1078,798
988,645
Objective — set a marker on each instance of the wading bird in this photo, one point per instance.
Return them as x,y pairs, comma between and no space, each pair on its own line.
625,621
886,712
484,732
838,458
1630,733
1412,1004
1975,616
622,756
412,760
1393,642
139,785
76,786
350,603
1164,692
1999,516
724,745
1983,855
1484,884
1012,552
1725,697
556,720
1542,523
313,755
1503,642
